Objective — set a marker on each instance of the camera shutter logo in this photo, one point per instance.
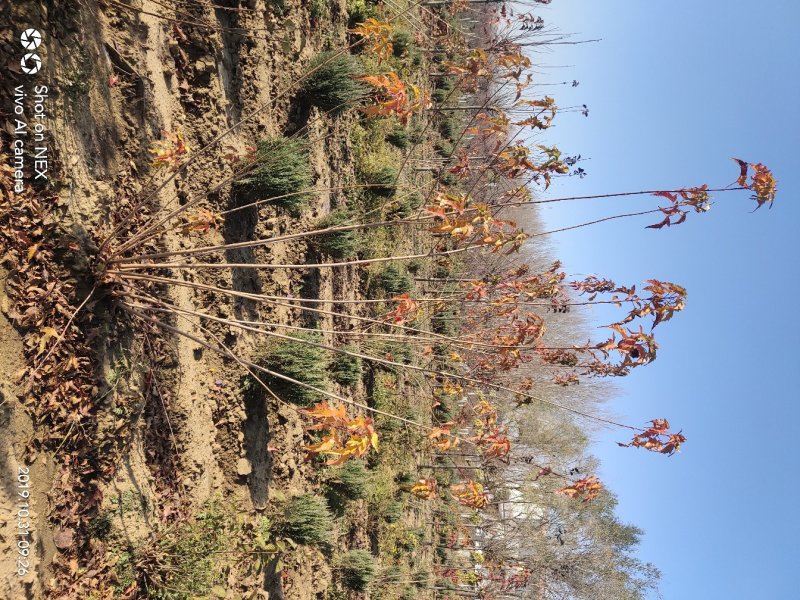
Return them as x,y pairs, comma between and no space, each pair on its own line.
31,39
31,63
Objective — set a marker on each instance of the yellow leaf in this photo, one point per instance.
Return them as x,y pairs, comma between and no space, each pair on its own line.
32,250
326,445
47,333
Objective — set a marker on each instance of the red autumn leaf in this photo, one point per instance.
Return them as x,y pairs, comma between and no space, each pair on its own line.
744,167
587,488
657,438
470,493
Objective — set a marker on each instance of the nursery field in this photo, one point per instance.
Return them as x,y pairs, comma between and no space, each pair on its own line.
281,320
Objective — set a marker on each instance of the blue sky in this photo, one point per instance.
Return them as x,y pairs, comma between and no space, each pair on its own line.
674,90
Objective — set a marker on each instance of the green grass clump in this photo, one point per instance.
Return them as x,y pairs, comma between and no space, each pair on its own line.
394,511
382,180
392,280
450,127
341,244
444,149
448,179
405,207
421,578
444,322
296,359
359,11
345,369
398,138
306,519
279,6
181,562
319,10
406,479
416,265
358,569
416,135
443,89
282,167
351,481
332,86
401,43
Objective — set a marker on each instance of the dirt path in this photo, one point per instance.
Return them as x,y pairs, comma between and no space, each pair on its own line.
15,475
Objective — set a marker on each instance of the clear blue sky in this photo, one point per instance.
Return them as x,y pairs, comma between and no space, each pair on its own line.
675,89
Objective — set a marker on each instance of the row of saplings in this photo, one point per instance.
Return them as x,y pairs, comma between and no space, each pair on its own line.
307,519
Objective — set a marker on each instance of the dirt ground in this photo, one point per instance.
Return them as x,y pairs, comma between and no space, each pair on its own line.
120,78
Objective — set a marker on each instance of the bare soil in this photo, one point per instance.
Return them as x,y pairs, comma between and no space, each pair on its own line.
119,78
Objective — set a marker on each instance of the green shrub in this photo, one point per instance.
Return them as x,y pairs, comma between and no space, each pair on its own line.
444,323
410,539
402,353
298,360
306,519
392,573
345,369
387,425
341,244
350,481
181,561
332,85
443,270
444,149
401,43
443,89
319,11
282,168
405,479
381,391
405,207
448,179
358,569
359,11
392,280
394,512
415,266
421,578
279,6
444,410
398,138
382,180
439,95
450,127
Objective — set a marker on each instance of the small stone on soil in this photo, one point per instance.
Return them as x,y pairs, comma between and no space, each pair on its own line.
243,467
